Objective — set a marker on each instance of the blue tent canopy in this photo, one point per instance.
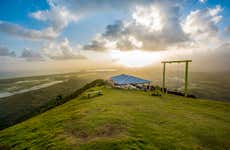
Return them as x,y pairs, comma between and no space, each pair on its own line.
127,79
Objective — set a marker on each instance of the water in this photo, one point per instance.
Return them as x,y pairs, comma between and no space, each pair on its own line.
7,94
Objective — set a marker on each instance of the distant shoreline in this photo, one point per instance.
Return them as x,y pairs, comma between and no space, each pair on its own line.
7,94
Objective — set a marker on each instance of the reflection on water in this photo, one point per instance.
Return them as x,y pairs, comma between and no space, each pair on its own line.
6,94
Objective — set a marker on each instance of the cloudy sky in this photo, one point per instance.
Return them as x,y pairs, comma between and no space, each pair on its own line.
74,34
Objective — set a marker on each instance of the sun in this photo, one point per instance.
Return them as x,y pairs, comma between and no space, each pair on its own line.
135,58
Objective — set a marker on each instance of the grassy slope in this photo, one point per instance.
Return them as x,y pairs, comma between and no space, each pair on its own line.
122,119
19,107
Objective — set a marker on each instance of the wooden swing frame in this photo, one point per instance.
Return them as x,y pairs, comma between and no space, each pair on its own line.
186,74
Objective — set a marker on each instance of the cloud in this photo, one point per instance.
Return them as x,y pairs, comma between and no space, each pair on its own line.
85,7
158,27
61,51
53,51
88,6
201,25
97,44
57,16
227,30
63,12
4,51
149,17
154,28
13,29
32,55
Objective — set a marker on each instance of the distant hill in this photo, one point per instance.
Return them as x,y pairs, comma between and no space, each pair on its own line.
125,119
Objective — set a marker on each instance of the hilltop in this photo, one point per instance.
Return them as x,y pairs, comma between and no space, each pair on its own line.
125,119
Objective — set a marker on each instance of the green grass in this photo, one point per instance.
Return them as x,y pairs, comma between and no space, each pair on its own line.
16,108
19,107
125,119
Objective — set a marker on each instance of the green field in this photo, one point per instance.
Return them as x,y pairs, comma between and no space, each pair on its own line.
125,119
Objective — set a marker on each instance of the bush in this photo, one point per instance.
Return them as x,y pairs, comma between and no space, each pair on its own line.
157,91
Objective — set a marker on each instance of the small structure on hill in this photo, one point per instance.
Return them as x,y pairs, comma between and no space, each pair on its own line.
129,82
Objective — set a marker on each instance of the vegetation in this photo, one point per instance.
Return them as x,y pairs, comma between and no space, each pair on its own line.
20,107
125,119
157,91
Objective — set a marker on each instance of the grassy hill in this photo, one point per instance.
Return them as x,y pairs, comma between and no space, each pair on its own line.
21,106
125,119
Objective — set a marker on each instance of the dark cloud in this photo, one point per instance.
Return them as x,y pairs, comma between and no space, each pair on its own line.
32,55
4,51
95,45
115,30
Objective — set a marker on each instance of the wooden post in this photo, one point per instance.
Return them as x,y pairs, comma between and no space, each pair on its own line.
163,90
186,80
